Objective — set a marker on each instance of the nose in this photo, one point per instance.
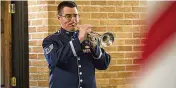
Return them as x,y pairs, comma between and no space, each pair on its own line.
73,18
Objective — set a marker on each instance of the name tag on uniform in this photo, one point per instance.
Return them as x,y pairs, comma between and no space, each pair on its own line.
86,49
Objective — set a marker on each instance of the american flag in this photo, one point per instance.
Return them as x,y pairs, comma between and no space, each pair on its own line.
158,62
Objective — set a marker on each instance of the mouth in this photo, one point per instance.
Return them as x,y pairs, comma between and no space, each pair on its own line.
73,24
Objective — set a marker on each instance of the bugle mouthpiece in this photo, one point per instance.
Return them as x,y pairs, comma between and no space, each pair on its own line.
74,24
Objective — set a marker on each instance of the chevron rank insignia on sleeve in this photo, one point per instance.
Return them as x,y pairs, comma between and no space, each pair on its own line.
48,49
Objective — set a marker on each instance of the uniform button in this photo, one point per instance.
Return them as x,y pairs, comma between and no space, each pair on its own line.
79,66
78,58
81,80
80,73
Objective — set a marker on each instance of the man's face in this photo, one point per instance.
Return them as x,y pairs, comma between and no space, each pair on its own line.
68,18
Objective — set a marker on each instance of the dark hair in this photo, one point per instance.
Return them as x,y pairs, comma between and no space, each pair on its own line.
65,4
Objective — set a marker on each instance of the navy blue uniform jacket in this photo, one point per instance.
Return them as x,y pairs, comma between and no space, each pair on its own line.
69,66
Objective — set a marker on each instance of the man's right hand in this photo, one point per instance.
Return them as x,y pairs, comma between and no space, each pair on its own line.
83,31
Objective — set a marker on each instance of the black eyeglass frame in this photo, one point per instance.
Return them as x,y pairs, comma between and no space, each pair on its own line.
70,16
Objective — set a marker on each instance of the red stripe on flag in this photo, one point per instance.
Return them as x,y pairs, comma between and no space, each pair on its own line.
164,27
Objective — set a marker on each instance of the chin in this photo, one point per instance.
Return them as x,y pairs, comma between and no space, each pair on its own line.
73,29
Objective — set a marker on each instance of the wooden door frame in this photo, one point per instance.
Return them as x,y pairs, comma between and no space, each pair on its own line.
20,51
7,40
16,52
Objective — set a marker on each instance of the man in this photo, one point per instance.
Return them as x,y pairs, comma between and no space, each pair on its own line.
71,62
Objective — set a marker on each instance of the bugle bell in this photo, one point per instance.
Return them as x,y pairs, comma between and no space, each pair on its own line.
104,40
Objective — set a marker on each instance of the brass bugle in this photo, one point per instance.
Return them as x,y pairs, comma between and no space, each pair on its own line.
104,40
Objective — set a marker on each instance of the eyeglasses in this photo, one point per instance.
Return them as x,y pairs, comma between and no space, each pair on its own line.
69,16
